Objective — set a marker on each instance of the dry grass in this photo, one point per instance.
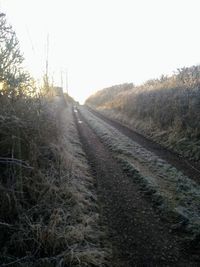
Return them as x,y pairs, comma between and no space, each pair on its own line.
166,109
48,205
48,208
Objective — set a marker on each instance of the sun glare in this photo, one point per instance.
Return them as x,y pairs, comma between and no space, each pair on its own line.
95,44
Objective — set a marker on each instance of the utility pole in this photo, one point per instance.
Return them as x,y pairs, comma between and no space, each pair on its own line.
47,57
66,76
47,62
61,78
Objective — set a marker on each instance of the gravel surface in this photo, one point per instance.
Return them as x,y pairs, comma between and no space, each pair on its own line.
138,235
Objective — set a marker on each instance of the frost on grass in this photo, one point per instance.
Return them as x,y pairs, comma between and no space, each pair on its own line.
175,194
84,234
54,221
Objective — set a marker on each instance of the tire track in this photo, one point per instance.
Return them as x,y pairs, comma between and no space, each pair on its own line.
138,236
187,167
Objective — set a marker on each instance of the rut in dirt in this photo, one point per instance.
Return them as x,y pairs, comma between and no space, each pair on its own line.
188,167
138,236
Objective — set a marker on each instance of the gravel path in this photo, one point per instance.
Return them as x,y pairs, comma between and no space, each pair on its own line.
187,167
138,236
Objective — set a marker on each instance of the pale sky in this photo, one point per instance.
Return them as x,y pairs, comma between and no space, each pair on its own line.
106,42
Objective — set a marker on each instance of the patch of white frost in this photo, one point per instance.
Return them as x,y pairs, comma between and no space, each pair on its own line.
181,194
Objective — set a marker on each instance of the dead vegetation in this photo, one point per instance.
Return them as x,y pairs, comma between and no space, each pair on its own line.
165,109
48,211
48,205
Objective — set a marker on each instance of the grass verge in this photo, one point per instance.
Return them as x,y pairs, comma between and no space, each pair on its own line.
48,205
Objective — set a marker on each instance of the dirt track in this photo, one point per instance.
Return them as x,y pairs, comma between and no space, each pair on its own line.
189,168
138,236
